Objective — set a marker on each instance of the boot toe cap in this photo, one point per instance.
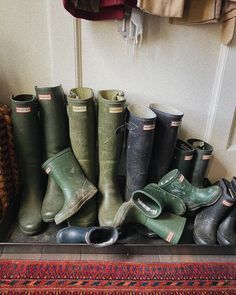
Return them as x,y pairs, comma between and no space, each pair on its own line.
31,227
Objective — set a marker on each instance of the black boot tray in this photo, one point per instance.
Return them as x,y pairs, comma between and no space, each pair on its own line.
130,242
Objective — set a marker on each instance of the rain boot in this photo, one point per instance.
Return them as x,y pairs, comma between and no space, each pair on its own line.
182,158
77,189
175,183
208,220
54,122
97,236
202,155
28,144
167,126
167,226
82,125
111,120
226,233
152,200
139,142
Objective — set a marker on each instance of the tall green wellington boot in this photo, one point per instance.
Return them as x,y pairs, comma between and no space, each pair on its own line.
28,143
175,183
167,226
153,199
67,173
183,156
82,125
54,122
201,158
111,118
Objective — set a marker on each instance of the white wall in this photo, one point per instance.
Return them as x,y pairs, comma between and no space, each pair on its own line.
36,46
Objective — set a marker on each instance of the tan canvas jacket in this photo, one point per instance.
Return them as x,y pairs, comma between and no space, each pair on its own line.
167,8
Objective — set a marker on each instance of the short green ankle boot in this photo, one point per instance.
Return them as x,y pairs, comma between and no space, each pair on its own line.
152,200
82,125
175,183
54,124
111,119
68,175
27,136
167,226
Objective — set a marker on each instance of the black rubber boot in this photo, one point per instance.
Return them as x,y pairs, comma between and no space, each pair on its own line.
202,155
226,233
182,158
167,125
29,150
208,220
54,123
139,142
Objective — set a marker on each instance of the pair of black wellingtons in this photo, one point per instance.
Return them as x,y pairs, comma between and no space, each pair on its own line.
217,223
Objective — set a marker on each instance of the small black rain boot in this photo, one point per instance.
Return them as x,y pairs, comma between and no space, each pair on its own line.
139,141
208,220
202,155
226,233
168,122
182,158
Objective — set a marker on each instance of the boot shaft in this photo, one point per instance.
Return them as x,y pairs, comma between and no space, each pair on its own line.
182,158
140,128
82,126
26,127
53,119
167,126
202,155
111,119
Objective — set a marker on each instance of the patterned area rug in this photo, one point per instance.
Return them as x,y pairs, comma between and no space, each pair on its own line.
88,277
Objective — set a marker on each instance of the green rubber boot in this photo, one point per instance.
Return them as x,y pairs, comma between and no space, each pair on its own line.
201,158
152,200
111,117
54,123
167,226
175,183
82,125
29,150
183,156
68,175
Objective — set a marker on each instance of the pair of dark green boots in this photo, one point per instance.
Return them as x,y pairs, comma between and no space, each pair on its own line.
41,132
191,158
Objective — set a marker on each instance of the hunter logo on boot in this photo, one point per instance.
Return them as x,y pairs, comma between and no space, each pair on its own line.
188,158
149,127
169,237
45,96
116,110
81,109
23,110
175,123
48,170
226,203
181,178
206,157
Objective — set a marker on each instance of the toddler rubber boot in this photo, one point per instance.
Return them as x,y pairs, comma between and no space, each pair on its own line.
111,121
97,236
82,125
29,151
208,220
54,124
167,226
68,175
152,200
226,233
140,128
175,183
201,158
182,158
168,122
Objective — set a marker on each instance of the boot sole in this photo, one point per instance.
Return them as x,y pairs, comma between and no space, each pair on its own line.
75,208
194,208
